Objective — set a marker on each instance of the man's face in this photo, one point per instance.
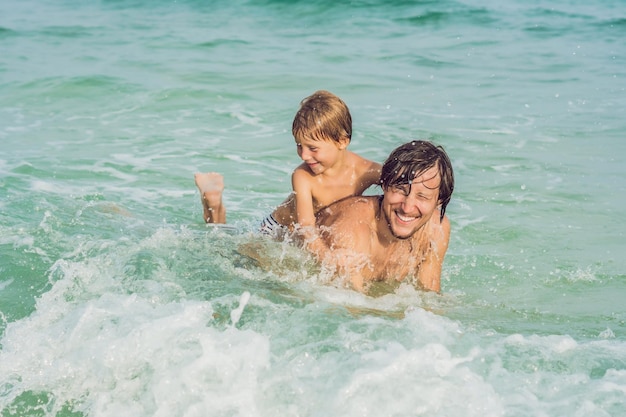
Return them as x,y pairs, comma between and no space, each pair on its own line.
408,207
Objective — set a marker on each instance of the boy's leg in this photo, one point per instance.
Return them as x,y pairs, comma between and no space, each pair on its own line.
211,186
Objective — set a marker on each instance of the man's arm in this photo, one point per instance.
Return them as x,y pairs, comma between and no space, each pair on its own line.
429,274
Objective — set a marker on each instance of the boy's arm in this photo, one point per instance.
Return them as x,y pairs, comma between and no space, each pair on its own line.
305,215
429,273
370,172
374,173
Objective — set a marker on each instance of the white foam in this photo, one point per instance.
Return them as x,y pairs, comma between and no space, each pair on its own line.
124,355
235,314
385,385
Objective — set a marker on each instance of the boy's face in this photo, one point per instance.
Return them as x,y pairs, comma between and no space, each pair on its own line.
408,207
319,155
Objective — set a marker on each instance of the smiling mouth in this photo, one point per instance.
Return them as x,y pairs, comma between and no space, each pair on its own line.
405,219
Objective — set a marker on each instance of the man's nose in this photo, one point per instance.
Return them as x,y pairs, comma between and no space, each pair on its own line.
305,154
409,204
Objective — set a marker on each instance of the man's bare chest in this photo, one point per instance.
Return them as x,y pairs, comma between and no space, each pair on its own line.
394,264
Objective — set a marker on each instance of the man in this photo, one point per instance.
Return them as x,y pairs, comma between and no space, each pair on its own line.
401,235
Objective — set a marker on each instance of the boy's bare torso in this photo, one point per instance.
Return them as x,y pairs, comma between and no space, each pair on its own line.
353,179
356,177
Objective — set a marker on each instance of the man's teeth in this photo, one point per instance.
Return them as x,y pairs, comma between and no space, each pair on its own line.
405,218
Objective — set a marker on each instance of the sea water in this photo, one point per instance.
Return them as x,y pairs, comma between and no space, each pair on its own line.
117,300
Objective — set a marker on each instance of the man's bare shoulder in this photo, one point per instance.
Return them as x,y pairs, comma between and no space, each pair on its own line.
440,229
437,222
437,233
349,223
352,209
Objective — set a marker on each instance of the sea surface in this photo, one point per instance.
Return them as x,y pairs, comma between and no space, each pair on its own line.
117,300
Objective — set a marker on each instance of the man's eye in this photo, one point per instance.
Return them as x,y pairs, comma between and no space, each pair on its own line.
403,189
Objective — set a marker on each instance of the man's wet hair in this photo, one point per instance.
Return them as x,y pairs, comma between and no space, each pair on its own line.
411,160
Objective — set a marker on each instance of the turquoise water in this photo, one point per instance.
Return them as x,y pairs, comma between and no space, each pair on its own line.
116,299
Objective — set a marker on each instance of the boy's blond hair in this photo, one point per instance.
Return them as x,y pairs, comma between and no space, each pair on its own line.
322,116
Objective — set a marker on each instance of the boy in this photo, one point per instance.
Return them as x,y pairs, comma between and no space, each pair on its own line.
322,129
